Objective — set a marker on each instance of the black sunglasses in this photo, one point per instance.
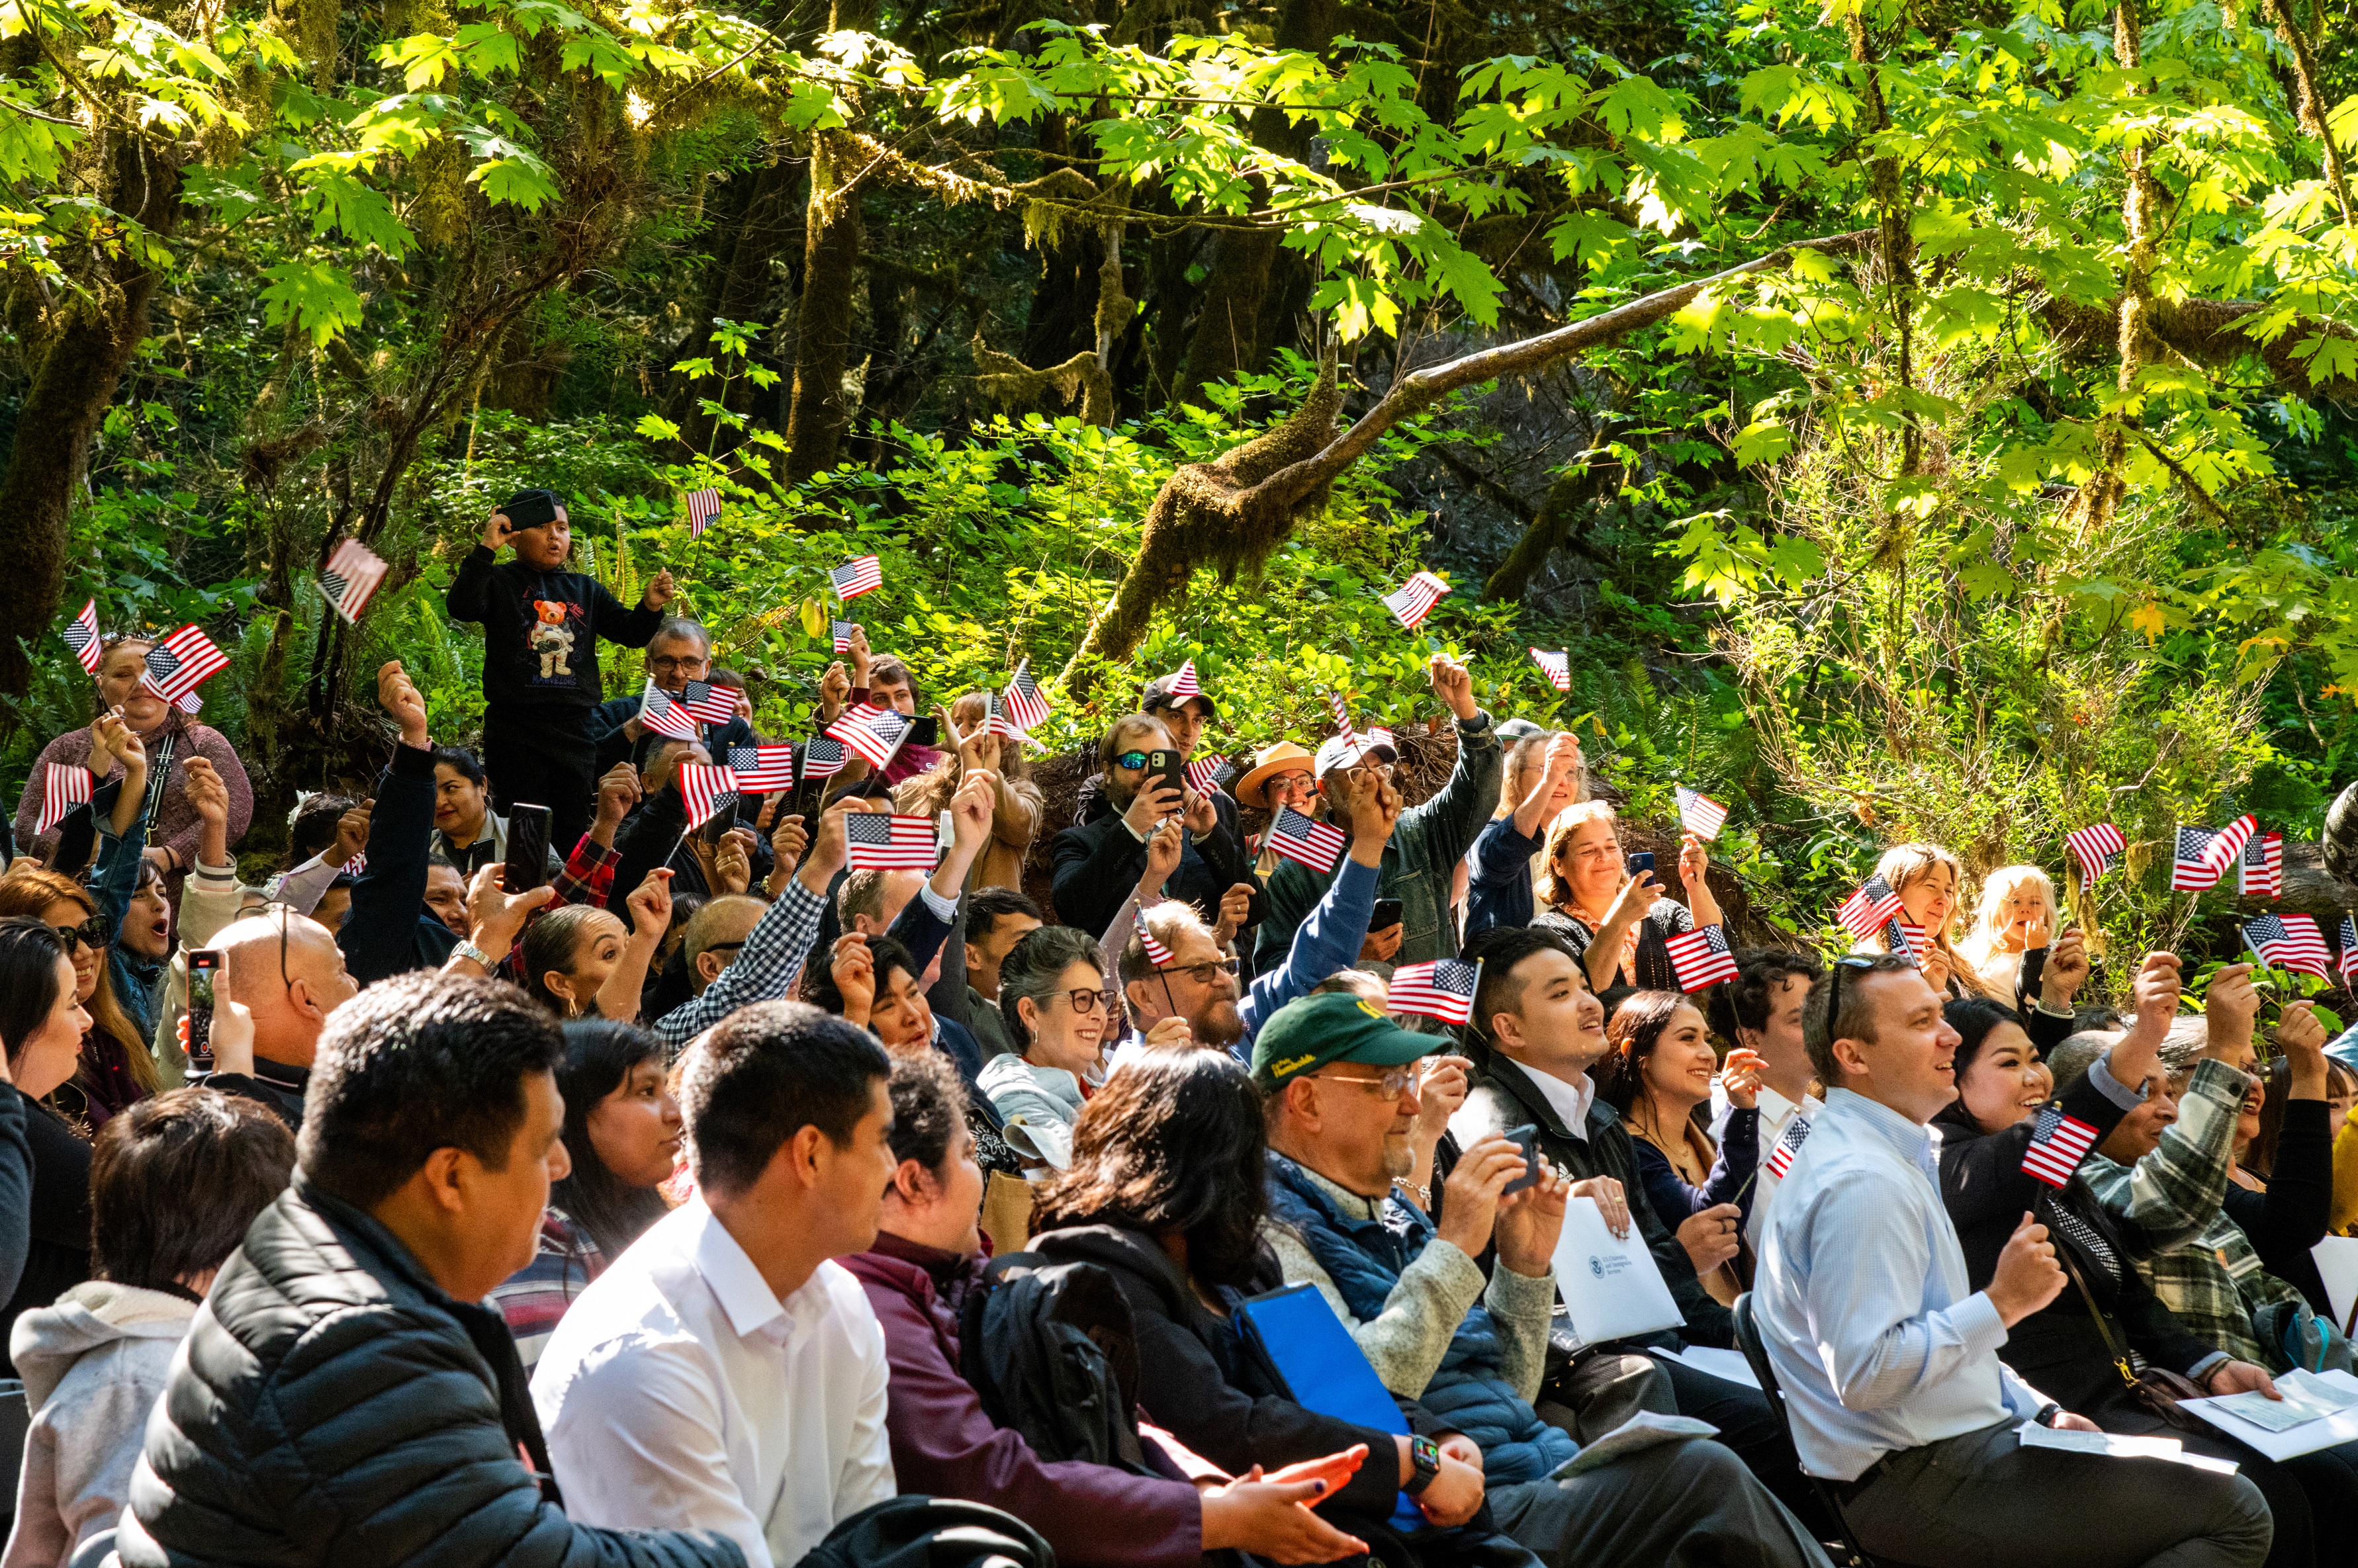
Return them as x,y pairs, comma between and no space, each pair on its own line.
1834,987
92,933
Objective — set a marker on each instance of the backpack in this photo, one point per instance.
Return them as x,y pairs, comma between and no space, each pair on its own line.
1052,1350
931,1532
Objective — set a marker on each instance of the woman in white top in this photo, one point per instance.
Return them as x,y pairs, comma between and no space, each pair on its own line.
1052,991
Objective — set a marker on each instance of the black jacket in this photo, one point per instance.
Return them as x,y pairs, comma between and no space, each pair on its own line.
333,1405
388,931
616,745
1098,865
277,1084
56,1255
508,598
2291,1217
1502,1095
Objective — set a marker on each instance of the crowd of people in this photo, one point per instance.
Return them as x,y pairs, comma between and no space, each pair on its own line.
682,1193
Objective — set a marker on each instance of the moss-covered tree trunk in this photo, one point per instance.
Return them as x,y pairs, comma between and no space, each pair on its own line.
820,410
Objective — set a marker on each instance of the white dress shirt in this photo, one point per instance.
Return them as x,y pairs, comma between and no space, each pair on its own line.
678,1391
1569,1101
1862,1300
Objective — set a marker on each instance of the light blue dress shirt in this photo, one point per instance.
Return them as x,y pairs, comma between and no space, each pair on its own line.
1863,1298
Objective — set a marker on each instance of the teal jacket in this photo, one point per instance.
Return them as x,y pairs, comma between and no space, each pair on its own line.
1417,865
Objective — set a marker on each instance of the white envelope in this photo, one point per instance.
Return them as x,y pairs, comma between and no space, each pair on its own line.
1611,1288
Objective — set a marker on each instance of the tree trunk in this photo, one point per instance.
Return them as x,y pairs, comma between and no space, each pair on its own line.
1575,490
821,411
79,366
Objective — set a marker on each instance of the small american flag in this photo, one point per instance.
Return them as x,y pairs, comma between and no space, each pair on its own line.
1025,704
188,702
2289,942
1156,953
706,788
1868,909
2201,855
1700,958
710,703
760,768
823,758
876,842
1557,667
1342,712
1183,682
2058,1144
182,662
2096,846
1910,940
1700,815
995,721
350,577
65,786
661,712
2259,872
703,507
1206,774
1781,1158
874,733
1307,842
1414,599
2349,965
81,636
1443,990
861,574
354,866
842,631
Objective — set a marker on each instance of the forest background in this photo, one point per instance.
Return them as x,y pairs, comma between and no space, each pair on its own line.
1916,418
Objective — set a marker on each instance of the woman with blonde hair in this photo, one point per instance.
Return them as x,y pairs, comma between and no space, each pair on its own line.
1927,878
1617,924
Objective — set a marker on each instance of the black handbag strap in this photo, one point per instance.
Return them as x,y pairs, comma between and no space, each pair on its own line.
2104,1324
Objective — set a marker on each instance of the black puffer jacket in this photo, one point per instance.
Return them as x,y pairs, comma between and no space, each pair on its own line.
333,1405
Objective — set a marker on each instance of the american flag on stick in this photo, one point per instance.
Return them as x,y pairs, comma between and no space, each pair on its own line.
1700,815
1342,712
1206,774
1183,682
350,577
2096,846
1307,842
1025,704
2289,942
662,713
2058,1144
1156,953
1868,909
861,574
710,703
2201,855
1700,958
706,788
823,758
181,662
1443,988
842,631
1557,667
761,768
874,841
2259,870
1913,942
703,507
1414,599
2349,965
874,733
81,636
65,786
1781,1158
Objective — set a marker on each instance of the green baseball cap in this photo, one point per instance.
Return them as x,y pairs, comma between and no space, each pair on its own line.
1313,1031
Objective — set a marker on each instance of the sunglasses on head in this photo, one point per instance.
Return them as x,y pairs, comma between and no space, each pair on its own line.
92,933
1850,962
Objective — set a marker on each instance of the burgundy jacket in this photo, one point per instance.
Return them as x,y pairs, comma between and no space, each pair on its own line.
945,1445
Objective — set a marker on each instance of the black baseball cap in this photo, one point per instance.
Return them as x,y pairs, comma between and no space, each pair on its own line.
1158,696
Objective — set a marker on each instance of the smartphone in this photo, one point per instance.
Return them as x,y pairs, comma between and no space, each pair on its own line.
1641,860
1167,770
1526,1137
1388,913
204,970
717,826
527,866
925,732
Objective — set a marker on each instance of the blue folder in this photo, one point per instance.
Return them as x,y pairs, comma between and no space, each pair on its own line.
1325,1371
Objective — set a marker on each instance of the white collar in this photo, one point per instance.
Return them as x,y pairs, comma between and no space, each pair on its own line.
736,1284
1569,1098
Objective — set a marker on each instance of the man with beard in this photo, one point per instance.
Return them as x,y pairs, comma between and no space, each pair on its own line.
1097,863
1198,985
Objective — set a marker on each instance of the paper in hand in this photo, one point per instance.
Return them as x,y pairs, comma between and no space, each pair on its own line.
1645,1430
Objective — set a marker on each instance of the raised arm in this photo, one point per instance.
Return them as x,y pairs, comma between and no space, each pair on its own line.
775,951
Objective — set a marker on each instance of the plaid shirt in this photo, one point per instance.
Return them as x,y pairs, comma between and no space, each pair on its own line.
589,876
772,955
2170,1207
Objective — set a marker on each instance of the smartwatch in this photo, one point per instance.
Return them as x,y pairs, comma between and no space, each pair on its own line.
1425,1455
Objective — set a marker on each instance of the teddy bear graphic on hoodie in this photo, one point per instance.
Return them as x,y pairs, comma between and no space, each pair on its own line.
552,639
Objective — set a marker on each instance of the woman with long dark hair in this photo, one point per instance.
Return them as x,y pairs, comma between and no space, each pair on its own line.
44,1165
623,1133
114,1066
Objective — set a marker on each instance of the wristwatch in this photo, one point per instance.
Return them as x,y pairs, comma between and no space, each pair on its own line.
1425,1455
475,954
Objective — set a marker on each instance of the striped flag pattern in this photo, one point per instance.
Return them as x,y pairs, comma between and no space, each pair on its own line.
1443,988
874,733
2096,846
81,636
350,577
182,662
2201,855
1700,815
874,841
1206,774
710,703
760,768
1156,953
2289,942
1781,1158
1307,842
1868,909
703,507
1183,682
861,574
661,713
1557,667
2058,1144
1700,958
842,631
2349,965
65,786
1025,704
2259,870
706,788
1342,712
1414,599
823,758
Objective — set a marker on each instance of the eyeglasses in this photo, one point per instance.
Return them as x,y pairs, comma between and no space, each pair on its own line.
1289,783
1834,987
1205,974
724,946
1390,1084
685,666
91,933
1131,761
1086,1001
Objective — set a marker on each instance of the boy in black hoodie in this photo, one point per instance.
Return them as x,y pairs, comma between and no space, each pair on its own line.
541,625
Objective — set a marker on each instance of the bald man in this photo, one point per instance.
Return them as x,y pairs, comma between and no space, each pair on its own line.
714,935
290,1006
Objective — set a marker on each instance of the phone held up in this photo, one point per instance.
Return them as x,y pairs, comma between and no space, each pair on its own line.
1527,1139
1640,861
527,863
1387,916
204,973
1167,770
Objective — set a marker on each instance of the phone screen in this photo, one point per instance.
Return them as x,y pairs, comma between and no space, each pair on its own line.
1165,770
204,971
1527,1137
527,866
